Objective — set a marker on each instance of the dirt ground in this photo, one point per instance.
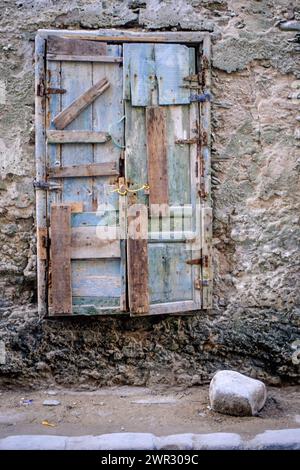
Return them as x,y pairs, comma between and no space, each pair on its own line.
135,409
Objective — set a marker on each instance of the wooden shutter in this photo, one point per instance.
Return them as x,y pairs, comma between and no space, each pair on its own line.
84,140
163,149
93,99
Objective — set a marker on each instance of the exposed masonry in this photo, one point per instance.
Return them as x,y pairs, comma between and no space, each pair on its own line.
255,175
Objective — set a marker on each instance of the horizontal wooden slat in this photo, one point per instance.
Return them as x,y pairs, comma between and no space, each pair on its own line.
96,278
175,236
73,137
74,46
84,58
128,36
173,307
85,219
96,305
66,116
93,169
86,243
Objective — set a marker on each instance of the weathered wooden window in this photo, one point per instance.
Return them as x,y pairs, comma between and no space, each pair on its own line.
123,164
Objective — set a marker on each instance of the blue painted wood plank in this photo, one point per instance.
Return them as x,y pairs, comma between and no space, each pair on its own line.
172,62
99,279
136,168
76,78
108,109
96,306
126,71
54,104
178,127
108,116
139,73
96,278
91,219
170,277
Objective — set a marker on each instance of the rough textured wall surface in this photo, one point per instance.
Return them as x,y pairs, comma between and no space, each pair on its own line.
256,139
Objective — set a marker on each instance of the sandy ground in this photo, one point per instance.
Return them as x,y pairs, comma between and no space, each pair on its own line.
136,409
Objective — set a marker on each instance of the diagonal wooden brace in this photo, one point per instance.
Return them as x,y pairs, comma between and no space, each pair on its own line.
74,109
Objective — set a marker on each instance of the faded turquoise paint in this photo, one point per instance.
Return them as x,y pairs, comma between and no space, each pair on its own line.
151,66
97,284
178,127
76,78
107,112
170,277
136,169
172,65
95,305
91,219
96,278
142,74
54,103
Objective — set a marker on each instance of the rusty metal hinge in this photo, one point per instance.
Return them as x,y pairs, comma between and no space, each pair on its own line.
195,261
42,90
46,185
42,242
194,140
55,91
192,86
192,78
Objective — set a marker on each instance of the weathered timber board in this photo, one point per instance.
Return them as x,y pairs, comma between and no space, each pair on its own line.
84,58
87,243
120,36
61,290
92,169
80,137
63,46
157,155
137,249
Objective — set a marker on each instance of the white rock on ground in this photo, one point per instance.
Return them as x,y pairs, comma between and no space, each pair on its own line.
236,394
51,402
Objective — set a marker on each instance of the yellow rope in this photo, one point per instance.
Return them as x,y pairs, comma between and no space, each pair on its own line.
127,190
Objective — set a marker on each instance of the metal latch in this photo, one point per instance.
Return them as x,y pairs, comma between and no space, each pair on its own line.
194,140
201,98
194,261
192,78
199,283
42,90
46,185
55,91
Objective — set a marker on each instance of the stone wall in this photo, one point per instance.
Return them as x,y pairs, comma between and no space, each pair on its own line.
256,139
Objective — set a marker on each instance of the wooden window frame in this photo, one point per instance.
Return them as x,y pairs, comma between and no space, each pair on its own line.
114,36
